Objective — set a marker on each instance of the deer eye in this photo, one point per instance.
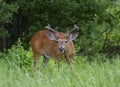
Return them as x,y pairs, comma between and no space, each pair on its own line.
57,41
66,41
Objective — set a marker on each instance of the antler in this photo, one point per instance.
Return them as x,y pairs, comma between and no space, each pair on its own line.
56,29
49,28
75,29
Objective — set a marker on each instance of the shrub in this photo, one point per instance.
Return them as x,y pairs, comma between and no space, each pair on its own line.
16,56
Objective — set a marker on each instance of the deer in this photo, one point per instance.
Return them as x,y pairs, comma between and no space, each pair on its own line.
50,43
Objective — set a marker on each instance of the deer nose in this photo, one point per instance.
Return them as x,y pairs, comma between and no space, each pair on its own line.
61,49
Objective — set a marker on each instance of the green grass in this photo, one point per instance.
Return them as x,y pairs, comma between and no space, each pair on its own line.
83,74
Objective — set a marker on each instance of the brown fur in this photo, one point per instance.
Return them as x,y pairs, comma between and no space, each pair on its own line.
41,44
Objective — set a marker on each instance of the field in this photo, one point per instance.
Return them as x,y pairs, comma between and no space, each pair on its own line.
83,74
97,59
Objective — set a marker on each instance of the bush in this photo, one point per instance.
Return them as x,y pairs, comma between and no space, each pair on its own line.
99,22
6,16
18,57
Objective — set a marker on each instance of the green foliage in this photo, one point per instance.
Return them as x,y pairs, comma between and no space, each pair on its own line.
16,68
93,74
6,16
114,11
99,22
18,57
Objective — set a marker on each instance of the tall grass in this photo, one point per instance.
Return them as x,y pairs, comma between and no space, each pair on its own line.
86,74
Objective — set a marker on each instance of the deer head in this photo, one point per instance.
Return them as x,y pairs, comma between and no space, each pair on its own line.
61,38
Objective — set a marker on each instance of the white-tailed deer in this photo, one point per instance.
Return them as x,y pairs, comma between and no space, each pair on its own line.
51,43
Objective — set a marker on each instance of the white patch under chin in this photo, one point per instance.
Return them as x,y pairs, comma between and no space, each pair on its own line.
47,56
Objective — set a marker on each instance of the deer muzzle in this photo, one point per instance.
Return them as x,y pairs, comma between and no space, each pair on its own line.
61,49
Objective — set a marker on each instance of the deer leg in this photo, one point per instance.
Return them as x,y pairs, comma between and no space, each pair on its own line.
69,60
57,60
36,58
45,60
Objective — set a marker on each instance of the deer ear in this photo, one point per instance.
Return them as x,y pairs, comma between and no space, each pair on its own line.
73,36
51,36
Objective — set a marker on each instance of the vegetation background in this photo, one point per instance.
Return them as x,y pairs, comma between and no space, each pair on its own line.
97,59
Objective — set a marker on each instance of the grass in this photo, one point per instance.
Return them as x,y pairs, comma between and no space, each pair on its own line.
83,74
